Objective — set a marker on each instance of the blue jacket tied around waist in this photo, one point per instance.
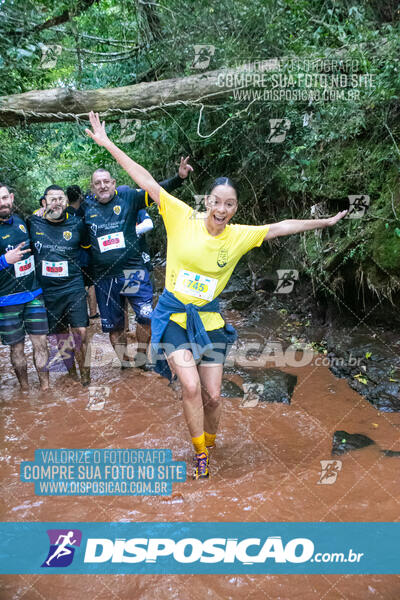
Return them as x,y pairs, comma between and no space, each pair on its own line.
167,305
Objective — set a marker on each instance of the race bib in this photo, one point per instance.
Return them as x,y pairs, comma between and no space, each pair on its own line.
54,269
24,267
198,286
111,241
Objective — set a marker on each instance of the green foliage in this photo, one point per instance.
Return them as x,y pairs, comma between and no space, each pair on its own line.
350,146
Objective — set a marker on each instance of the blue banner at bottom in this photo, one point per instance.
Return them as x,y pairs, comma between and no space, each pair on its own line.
193,548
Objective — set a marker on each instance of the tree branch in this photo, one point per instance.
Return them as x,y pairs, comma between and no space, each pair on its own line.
63,104
67,15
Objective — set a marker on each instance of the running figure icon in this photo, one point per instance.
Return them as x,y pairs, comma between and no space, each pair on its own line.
62,549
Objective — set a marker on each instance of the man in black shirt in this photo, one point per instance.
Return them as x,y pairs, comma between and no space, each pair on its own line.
22,307
119,271
57,239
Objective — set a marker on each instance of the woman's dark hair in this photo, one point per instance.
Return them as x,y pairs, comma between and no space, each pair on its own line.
74,193
222,181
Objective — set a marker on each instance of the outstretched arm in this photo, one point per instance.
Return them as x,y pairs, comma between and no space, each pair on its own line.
138,173
297,226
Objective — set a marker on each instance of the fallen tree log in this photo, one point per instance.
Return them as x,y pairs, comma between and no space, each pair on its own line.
65,104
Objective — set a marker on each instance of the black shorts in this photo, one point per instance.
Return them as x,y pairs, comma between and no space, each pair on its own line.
18,319
175,338
88,275
66,309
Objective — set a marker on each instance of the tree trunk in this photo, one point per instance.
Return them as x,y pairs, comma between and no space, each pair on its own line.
63,104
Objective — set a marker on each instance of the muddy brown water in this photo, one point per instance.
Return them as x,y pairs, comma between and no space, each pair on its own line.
266,467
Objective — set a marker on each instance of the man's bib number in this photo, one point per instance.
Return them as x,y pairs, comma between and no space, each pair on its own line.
196,285
111,241
55,269
24,267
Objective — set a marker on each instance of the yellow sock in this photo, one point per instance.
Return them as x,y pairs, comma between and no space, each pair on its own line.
210,438
199,444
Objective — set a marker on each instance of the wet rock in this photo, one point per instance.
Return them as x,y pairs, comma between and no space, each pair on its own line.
266,385
230,389
266,283
270,385
391,452
345,442
242,300
370,367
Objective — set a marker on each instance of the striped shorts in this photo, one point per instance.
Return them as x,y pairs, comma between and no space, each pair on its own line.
18,319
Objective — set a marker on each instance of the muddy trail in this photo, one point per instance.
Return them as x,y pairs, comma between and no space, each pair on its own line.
265,467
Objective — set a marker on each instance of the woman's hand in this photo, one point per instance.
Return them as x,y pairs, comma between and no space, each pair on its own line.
13,256
184,168
99,130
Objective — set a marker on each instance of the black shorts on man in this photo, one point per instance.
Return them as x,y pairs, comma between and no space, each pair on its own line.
57,247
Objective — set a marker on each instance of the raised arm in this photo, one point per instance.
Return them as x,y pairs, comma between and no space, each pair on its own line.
297,226
138,173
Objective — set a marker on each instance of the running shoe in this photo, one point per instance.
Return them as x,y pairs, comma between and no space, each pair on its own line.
201,462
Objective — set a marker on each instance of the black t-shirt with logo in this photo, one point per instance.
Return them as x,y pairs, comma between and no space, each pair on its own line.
112,232
112,229
56,247
19,277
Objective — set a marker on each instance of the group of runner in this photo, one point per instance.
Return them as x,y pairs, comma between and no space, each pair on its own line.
47,260
188,334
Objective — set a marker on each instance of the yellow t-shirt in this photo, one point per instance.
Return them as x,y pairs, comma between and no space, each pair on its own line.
199,265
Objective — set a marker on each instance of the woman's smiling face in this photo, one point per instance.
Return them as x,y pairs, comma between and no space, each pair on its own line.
221,205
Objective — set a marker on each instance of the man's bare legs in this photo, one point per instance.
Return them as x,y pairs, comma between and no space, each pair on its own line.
41,359
119,343
18,361
92,302
65,345
80,349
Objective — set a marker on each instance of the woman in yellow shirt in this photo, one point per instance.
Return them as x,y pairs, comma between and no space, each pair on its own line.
202,252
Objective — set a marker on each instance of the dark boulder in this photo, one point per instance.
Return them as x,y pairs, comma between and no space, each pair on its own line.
345,442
